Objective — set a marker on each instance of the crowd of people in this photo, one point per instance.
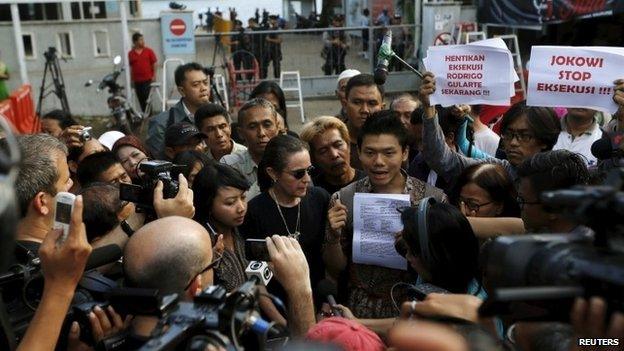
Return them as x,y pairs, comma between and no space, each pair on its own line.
255,178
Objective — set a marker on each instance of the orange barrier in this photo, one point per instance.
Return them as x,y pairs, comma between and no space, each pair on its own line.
22,114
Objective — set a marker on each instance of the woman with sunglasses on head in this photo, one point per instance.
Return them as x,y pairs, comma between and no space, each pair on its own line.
485,190
289,205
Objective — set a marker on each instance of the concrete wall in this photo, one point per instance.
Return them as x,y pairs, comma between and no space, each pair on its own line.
300,52
83,65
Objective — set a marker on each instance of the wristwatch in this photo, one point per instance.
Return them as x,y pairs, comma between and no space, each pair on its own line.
126,228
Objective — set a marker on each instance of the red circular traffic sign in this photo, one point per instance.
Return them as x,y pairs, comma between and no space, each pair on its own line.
177,27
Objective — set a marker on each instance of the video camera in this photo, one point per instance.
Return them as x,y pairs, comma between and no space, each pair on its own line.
537,277
213,318
50,54
150,173
22,286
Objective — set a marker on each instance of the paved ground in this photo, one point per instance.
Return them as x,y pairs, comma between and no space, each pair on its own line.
312,107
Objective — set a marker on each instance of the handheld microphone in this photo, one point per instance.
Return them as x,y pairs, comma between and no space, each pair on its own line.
102,256
383,58
327,289
260,271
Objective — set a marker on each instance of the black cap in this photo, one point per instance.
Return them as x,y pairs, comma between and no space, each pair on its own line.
181,134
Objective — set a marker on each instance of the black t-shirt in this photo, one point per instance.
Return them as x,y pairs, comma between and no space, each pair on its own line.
264,220
320,181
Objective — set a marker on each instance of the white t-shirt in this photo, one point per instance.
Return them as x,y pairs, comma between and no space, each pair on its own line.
487,141
581,144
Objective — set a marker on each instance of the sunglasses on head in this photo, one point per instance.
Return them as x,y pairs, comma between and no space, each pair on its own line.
300,173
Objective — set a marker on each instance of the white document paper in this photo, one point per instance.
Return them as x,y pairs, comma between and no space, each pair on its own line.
499,44
565,76
471,74
375,223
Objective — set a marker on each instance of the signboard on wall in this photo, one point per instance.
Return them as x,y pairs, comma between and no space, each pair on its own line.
177,33
537,12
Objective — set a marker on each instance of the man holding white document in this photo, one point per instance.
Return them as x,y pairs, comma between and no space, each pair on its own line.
356,248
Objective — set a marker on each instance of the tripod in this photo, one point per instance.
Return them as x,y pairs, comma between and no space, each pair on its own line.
52,66
219,49
153,94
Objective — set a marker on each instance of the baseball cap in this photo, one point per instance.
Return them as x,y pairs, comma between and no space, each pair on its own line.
109,138
350,335
347,73
181,134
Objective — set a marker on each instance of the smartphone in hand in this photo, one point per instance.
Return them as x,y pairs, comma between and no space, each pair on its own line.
64,206
256,250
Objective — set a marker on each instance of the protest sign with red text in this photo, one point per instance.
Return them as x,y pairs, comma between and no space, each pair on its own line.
471,74
564,76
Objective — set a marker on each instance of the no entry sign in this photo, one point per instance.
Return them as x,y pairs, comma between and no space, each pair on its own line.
177,33
177,27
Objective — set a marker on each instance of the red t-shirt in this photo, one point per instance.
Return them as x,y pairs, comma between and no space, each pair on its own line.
141,64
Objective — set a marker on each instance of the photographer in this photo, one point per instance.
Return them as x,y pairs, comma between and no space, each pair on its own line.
185,266
161,256
62,267
55,122
102,167
130,151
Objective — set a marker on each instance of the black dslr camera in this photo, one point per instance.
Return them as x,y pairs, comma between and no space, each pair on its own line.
537,277
151,172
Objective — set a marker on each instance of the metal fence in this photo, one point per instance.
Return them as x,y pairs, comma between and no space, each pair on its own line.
308,51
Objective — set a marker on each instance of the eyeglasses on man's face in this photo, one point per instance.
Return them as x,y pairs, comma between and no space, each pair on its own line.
212,265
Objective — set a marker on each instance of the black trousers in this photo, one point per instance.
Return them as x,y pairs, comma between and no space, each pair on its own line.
335,61
276,66
142,90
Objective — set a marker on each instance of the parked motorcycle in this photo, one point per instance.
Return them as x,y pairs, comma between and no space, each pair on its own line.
126,119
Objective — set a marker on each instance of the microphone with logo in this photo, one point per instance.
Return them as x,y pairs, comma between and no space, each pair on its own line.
383,60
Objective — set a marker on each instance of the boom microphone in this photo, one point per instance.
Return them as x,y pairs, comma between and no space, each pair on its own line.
383,57
102,256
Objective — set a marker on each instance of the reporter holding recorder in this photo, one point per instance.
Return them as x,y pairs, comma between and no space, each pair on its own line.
221,207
